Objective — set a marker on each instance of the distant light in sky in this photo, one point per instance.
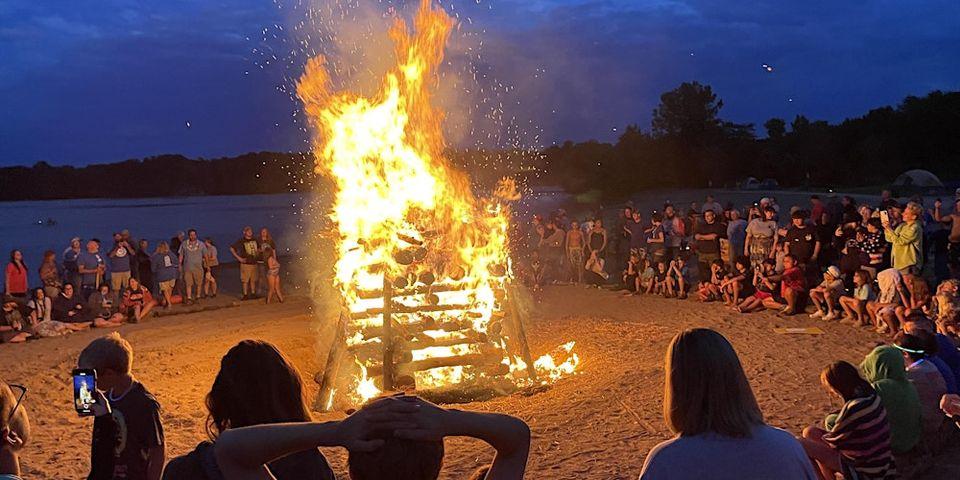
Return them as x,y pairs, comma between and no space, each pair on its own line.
188,124
768,68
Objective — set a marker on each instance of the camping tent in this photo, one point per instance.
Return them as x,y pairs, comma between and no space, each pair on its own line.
922,179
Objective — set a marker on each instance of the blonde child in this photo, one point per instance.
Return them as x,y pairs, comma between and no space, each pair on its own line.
825,295
854,307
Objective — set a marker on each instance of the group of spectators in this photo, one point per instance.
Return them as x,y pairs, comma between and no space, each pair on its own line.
91,284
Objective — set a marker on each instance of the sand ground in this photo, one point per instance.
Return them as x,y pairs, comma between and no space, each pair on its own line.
598,424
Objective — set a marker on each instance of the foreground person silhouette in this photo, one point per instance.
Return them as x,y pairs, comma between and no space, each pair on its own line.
721,435
393,438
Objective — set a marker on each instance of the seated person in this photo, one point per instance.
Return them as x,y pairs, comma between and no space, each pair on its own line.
945,308
711,291
630,277
764,287
647,277
854,306
917,296
678,278
925,378
793,285
737,284
826,295
12,327
882,311
68,308
137,301
884,369
399,437
105,307
660,280
41,317
856,442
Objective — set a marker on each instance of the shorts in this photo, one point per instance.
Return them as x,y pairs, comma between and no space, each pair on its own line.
213,272
166,288
119,281
762,295
249,272
193,277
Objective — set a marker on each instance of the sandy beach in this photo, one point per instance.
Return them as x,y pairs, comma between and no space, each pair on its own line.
597,424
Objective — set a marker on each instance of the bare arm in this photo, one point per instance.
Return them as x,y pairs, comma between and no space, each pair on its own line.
233,252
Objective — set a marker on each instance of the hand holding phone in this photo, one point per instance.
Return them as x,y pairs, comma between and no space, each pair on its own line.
85,391
885,218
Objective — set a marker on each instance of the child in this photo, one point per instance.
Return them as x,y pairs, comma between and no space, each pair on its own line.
273,274
660,280
710,291
211,266
536,271
141,453
655,239
857,440
678,281
825,295
631,275
735,286
882,311
946,309
764,287
647,277
854,306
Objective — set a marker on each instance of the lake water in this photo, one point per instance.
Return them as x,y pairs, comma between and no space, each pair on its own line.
24,226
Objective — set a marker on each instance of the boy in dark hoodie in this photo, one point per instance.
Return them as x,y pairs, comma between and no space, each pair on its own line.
884,369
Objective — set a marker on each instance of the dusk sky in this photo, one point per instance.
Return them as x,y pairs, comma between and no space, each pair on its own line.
94,81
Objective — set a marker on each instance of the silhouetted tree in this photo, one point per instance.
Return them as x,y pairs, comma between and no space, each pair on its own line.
776,128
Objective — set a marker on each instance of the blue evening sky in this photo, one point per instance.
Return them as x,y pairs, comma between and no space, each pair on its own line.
91,81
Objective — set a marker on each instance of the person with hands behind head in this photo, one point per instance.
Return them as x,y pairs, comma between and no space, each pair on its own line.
397,437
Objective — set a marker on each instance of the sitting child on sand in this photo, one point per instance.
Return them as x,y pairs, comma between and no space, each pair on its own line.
737,284
711,291
793,285
883,311
660,280
946,309
826,295
630,278
854,306
678,278
648,277
764,287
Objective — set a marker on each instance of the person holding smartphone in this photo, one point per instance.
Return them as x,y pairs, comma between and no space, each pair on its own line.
906,239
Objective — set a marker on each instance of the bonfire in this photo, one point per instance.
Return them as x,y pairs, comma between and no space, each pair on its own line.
422,264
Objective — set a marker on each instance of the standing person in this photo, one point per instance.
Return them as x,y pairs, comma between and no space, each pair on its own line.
137,301
551,250
575,246
761,237
675,231
92,267
620,241
656,239
144,265
737,235
818,211
712,204
133,248
166,268
253,375
803,243
15,283
176,241
273,274
71,272
953,245
707,235
266,240
708,403
247,252
211,265
192,252
637,232
141,453
906,239
598,241
120,259
856,442
50,274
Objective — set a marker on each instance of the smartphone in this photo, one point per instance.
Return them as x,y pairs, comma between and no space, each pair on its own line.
884,216
84,384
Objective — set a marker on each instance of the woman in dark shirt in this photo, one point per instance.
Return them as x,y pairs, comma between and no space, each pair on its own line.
256,385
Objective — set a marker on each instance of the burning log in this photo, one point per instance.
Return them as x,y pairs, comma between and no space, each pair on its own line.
475,359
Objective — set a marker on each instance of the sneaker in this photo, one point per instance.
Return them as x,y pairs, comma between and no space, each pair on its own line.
816,314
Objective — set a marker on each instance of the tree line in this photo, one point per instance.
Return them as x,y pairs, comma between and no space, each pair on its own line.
687,145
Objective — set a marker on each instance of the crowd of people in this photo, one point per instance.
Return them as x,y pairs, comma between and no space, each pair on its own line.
102,285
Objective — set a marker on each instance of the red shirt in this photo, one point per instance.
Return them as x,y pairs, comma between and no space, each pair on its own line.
17,279
792,279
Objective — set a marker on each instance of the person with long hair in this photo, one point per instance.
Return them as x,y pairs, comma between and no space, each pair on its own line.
256,385
50,274
761,237
41,317
884,369
721,434
273,274
16,276
211,265
856,441
137,301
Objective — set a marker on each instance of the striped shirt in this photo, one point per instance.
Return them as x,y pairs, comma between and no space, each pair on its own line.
862,435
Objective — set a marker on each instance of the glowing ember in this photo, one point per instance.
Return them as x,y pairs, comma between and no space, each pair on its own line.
410,230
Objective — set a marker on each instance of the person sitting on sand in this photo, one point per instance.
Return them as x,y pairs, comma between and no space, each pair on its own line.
945,308
630,278
737,284
856,441
256,385
883,311
792,287
12,327
678,278
854,306
925,378
884,369
137,301
943,358
917,297
41,317
710,291
709,405
826,295
166,268
104,305
68,308
764,285
392,438
660,280
648,277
